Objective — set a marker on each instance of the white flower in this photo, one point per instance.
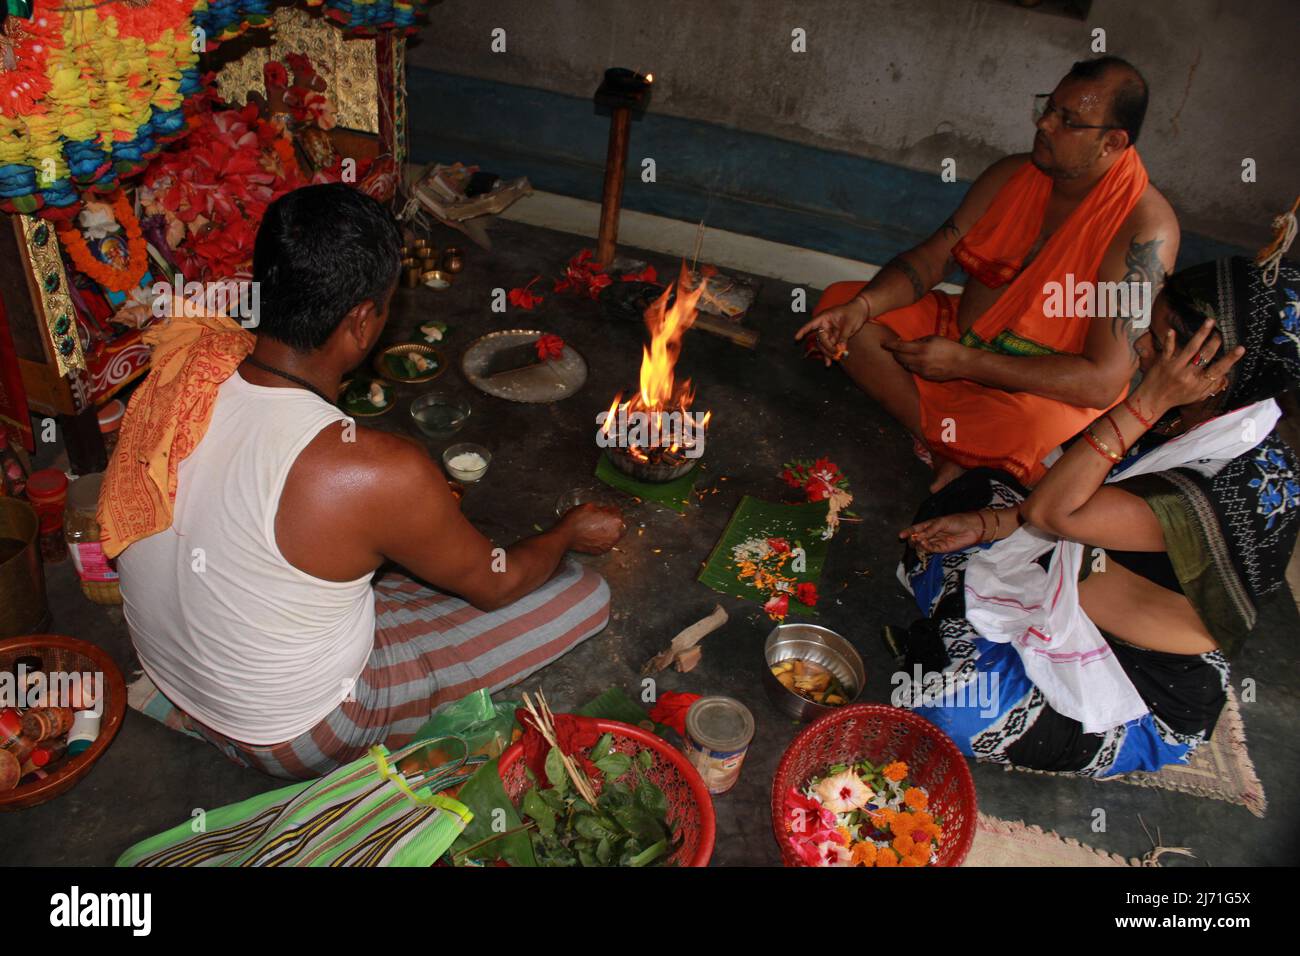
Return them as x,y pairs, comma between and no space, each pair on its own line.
97,220
832,854
844,792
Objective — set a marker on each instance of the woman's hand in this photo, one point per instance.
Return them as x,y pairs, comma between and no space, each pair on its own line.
948,533
834,327
1188,375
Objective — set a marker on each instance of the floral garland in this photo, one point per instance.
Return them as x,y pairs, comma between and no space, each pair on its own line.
110,277
862,815
96,91
90,94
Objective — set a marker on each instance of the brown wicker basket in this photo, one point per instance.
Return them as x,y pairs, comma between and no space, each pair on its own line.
60,653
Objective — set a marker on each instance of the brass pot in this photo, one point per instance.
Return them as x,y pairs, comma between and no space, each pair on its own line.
23,609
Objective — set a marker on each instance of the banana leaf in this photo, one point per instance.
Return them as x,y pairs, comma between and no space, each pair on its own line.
801,525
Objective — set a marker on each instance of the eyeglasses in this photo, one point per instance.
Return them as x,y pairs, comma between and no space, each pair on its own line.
1043,105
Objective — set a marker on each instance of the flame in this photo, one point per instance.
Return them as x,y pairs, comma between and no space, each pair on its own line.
667,325
609,417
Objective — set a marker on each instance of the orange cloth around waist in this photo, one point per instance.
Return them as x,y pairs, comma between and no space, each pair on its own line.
972,424
164,422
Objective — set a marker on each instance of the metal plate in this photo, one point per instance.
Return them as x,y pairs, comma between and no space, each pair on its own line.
549,382
407,348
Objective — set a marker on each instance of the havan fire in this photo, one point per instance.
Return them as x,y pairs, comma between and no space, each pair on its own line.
654,435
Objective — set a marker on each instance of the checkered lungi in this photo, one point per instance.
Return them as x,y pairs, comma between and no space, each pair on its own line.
432,649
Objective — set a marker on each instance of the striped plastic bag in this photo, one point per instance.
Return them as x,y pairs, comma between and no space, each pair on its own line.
366,813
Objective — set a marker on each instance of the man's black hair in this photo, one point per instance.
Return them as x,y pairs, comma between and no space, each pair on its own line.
1128,103
321,251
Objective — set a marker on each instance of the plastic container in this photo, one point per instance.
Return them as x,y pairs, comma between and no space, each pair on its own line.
81,531
718,734
47,490
110,421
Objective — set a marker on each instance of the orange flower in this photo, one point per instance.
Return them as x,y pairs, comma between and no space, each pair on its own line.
844,832
864,853
883,818
896,771
904,845
921,856
886,857
902,824
915,798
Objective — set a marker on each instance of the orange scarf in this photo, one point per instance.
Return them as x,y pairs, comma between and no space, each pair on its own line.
164,422
997,244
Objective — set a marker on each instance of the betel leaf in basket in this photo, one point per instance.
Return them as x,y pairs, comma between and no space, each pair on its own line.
800,525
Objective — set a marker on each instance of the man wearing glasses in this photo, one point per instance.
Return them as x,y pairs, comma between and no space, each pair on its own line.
1065,247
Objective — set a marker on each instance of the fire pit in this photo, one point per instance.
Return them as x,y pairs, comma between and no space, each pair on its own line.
655,436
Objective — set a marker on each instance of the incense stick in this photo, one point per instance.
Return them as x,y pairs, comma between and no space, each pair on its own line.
544,721
699,242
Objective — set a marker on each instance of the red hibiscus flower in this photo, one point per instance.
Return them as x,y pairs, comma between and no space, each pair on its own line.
523,298
779,545
777,607
807,593
550,347
671,710
648,274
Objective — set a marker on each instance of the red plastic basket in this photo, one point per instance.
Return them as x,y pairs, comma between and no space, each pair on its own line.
690,808
879,733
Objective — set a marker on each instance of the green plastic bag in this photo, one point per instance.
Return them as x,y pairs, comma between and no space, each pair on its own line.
365,813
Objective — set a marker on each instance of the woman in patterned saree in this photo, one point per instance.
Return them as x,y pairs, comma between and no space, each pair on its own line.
1086,627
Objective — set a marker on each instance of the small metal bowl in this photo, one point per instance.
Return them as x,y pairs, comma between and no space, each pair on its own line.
436,280
817,645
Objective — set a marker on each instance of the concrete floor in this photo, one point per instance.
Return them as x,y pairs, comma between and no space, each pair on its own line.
769,405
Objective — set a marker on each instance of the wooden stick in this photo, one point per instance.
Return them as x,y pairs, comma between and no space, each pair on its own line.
699,242
545,723
725,328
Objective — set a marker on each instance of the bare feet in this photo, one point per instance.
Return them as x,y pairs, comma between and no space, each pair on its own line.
945,471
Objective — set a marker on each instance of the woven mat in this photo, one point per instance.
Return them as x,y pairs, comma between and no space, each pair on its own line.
1007,843
1220,769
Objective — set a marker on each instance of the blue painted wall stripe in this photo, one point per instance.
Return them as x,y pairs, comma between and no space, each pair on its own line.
740,181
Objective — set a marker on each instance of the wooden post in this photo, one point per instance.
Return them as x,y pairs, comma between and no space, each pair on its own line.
612,200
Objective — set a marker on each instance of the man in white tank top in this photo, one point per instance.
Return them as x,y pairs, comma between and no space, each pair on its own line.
254,612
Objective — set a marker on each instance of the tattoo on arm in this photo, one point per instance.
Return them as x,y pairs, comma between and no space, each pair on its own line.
918,284
1144,267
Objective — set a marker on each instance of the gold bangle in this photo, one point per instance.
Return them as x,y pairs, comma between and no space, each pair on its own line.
1101,445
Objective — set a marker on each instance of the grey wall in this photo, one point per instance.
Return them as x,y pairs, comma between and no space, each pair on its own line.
913,81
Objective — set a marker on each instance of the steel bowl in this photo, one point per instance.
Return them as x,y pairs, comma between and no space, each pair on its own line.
818,645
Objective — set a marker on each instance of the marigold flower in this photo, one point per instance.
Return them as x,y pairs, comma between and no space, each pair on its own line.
904,845
864,853
916,798
886,857
896,771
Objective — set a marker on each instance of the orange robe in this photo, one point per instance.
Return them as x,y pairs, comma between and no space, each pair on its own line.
975,424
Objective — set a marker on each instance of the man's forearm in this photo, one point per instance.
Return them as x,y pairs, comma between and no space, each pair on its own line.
901,281
1073,379
528,564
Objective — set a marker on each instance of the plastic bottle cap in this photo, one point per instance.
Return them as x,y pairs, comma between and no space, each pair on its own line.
47,483
40,757
110,416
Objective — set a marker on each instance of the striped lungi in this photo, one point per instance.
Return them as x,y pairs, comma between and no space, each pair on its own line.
432,649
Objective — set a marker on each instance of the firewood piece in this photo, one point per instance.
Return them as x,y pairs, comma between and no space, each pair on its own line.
685,640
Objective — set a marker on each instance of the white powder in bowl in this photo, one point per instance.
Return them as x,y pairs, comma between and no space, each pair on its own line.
467,463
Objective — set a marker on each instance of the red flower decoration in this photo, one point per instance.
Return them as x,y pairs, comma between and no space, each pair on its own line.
524,299
806,593
550,347
778,607
583,275
648,274
779,545
671,710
